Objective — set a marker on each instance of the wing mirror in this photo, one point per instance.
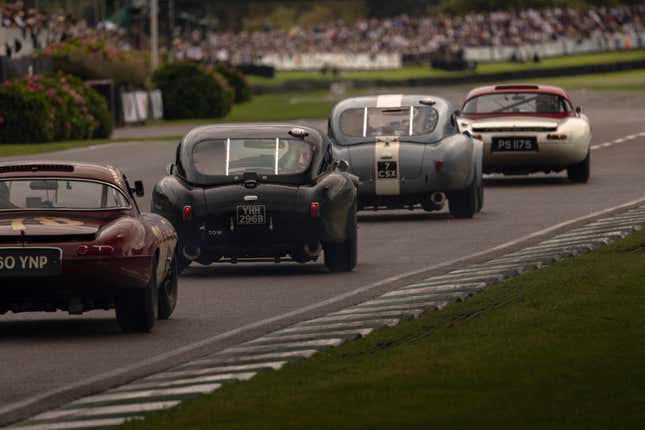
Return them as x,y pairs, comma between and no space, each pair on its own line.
578,109
170,169
457,113
341,165
138,188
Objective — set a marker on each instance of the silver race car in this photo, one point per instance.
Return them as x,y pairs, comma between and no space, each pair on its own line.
408,150
528,128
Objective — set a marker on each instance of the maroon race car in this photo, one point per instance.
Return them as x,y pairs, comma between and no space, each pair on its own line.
72,238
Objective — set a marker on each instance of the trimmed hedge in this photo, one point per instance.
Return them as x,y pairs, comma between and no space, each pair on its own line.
94,59
51,107
24,116
190,91
236,80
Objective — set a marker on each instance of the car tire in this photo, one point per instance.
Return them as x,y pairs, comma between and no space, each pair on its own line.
580,173
182,261
342,257
464,204
167,299
136,308
480,196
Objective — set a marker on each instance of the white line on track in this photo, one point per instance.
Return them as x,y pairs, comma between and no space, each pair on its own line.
186,381
618,140
281,346
107,410
143,394
215,370
356,333
61,392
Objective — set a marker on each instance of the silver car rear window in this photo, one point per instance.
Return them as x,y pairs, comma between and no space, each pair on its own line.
403,121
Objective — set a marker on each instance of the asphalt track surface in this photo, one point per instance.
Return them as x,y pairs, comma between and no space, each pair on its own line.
43,352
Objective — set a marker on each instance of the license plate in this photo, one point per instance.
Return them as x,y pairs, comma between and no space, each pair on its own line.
515,144
251,214
30,262
387,169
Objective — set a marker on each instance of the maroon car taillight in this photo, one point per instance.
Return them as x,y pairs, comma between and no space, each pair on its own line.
95,250
315,210
438,166
187,213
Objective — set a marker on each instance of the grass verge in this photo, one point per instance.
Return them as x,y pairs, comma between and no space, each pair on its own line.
562,347
15,149
417,72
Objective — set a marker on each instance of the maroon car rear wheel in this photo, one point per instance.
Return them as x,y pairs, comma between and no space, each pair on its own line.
136,308
168,293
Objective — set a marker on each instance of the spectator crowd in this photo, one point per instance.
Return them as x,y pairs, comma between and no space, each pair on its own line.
401,34
40,29
416,35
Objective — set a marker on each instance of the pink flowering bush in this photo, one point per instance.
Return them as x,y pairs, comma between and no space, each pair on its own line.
51,107
95,59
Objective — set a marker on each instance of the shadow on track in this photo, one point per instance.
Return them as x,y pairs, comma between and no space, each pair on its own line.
71,327
401,215
526,181
228,270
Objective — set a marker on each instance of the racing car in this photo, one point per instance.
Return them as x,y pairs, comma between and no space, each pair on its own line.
72,238
407,150
256,192
528,129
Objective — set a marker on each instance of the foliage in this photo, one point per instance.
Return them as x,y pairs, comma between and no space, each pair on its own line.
52,107
25,115
190,91
236,80
94,59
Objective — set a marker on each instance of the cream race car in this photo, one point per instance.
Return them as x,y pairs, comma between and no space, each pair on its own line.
528,129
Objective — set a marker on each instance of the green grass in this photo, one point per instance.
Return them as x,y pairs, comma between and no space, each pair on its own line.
412,72
15,149
627,81
558,348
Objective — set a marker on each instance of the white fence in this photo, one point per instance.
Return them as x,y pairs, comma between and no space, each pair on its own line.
339,61
316,61
18,42
553,49
140,106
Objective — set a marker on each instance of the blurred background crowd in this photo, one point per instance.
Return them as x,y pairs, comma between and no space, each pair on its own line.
258,34
411,35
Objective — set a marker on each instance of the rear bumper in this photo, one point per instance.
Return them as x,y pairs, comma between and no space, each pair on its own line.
216,242
94,282
549,156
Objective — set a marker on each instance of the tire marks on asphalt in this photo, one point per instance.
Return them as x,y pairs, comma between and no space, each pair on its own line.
304,339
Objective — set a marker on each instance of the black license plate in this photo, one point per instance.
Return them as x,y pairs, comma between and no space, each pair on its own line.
515,144
30,262
387,169
251,214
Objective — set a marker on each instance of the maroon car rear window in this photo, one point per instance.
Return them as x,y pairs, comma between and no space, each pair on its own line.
517,102
59,193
